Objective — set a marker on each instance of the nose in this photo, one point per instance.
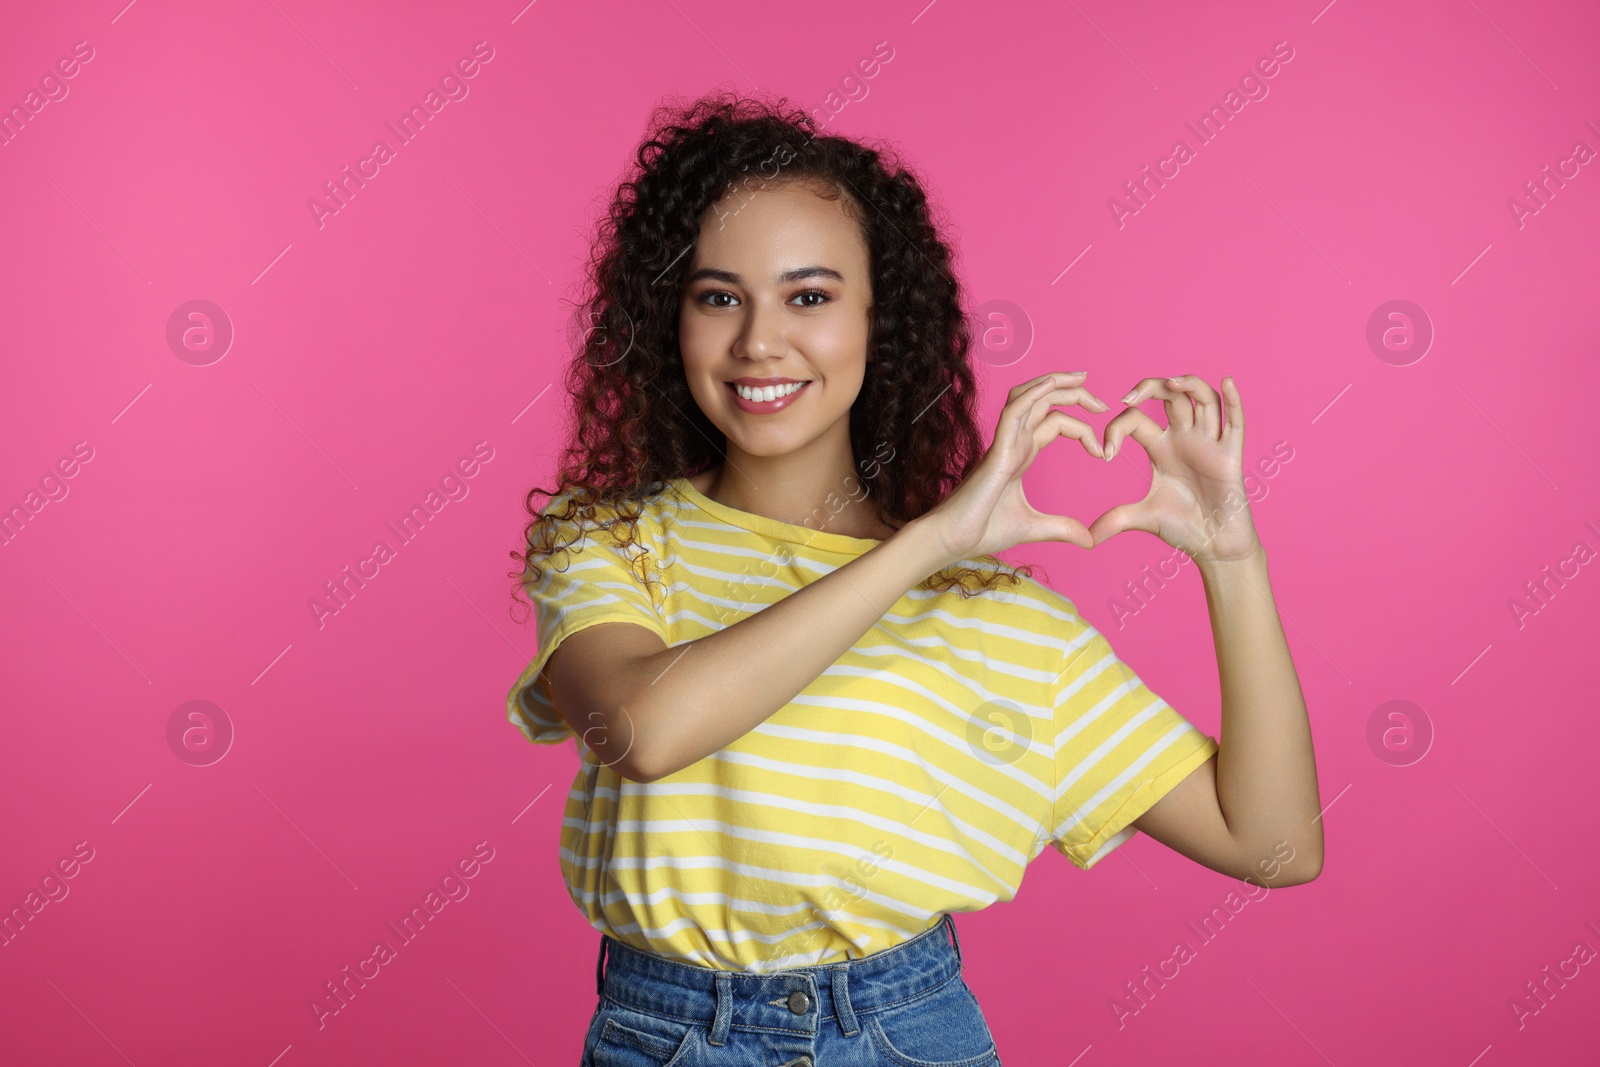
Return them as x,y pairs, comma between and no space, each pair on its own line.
761,336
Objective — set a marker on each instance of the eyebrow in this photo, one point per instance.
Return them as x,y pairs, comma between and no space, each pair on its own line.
794,275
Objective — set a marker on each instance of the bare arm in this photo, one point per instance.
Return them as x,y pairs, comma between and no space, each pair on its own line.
1251,810
649,711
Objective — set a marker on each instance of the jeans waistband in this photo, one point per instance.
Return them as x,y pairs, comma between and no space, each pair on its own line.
722,999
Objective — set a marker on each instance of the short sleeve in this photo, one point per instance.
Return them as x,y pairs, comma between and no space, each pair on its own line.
1119,748
590,581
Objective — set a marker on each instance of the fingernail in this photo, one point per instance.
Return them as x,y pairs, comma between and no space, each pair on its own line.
1176,380
1111,450
1128,399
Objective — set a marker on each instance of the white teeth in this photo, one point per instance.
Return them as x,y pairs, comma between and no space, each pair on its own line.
770,392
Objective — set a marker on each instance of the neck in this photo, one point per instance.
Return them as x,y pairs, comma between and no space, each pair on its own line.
798,489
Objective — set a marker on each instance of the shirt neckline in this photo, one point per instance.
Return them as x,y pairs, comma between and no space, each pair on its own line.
773,528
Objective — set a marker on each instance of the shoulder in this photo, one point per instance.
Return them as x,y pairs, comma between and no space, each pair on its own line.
580,506
1016,592
581,523
1026,604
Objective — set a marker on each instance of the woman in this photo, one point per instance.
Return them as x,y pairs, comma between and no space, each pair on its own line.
816,715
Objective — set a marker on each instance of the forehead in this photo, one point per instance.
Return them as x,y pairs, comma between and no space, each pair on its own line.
761,230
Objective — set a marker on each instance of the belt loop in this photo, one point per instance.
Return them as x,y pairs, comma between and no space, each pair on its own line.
599,970
724,1016
841,1000
951,922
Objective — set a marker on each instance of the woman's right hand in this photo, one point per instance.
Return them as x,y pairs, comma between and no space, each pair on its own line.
988,512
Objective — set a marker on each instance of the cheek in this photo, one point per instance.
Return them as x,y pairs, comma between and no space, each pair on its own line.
696,349
707,393
839,349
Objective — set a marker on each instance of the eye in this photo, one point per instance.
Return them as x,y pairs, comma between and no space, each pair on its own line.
814,292
705,297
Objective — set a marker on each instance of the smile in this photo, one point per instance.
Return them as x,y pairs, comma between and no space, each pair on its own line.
767,399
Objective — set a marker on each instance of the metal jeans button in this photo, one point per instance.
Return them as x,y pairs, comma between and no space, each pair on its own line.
799,1003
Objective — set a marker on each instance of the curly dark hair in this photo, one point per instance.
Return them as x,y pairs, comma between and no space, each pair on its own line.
636,424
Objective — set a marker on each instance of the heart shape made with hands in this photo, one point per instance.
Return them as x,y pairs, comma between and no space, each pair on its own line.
1195,461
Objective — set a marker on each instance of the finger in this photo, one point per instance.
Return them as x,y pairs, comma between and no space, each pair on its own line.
1121,518
1059,424
1180,411
1022,415
1013,416
1131,423
1207,412
1071,375
1059,528
1233,431
1041,402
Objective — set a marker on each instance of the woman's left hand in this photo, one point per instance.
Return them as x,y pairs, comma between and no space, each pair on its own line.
1197,499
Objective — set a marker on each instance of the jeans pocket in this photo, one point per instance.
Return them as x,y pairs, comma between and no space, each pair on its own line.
626,1038
945,1028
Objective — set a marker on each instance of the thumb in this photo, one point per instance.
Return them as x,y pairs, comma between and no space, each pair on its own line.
1120,518
1060,528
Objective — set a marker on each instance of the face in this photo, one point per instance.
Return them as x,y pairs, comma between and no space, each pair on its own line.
778,293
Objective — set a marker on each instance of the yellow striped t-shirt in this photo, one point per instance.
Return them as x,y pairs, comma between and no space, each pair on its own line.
918,775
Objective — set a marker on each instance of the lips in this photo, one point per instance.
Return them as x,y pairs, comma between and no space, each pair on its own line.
766,407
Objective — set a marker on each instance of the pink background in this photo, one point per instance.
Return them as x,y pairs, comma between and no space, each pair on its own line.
371,754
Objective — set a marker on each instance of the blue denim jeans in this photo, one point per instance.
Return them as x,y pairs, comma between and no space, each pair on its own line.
906,1006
